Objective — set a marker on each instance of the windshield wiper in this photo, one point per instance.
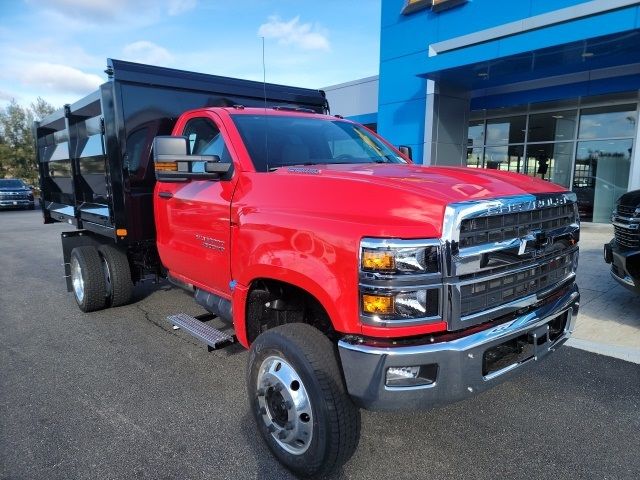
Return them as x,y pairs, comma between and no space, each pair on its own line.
305,164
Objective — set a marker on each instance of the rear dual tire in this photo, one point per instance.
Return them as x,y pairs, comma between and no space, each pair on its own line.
87,279
100,277
119,287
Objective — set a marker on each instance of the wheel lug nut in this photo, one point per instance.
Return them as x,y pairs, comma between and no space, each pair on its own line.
282,435
288,426
271,428
277,387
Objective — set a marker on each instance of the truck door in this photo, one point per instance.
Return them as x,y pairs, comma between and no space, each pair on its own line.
194,229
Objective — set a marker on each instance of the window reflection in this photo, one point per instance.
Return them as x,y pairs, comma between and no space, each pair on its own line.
504,158
572,142
553,126
608,122
476,134
550,161
474,157
601,175
506,130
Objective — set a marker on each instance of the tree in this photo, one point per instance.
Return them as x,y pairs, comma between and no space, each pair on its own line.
17,153
41,108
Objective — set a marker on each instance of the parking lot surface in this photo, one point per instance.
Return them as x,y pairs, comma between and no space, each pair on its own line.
118,394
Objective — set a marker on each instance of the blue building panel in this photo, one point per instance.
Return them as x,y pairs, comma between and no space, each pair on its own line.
402,123
595,26
364,118
539,7
436,67
399,79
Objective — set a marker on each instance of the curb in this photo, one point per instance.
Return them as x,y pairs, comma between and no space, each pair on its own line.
629,354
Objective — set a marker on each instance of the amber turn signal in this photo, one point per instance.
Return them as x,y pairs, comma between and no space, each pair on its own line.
166,167
377,304
378,260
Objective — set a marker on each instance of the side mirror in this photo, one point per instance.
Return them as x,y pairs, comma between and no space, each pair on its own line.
406,151
174,164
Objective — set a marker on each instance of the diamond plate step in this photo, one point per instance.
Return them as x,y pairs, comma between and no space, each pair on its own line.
213,337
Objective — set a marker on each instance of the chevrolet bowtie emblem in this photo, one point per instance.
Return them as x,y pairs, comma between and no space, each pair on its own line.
536,239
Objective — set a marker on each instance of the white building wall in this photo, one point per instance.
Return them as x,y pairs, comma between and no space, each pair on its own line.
358,97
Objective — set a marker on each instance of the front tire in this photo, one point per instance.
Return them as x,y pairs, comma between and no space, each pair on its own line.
87,278
299,401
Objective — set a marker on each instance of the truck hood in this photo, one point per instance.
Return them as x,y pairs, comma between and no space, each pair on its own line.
393,199
443,185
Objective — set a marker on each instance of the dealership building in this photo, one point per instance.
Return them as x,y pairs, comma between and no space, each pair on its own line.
548,88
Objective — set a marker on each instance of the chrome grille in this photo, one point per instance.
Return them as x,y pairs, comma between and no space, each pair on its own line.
506,254
499,228
487,294
627,237
13,196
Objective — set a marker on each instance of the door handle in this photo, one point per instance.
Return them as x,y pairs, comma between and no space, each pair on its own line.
165,195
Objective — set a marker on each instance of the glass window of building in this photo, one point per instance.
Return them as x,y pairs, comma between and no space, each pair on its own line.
585,144
474,157
509,158
476,134
552,126
612,121
505,130
550,161
601,176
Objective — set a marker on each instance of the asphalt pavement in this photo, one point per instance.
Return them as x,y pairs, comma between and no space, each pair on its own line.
118,394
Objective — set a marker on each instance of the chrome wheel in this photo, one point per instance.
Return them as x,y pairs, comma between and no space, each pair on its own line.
284,405
76,279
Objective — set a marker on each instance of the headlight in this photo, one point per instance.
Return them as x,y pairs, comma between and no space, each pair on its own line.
400,283
399,256
402,305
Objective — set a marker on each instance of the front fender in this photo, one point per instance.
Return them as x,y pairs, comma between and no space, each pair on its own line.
306,260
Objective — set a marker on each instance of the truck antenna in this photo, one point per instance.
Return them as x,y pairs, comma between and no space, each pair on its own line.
264,90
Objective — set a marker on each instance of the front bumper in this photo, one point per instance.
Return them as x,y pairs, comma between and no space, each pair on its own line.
16,203
623,265
461,363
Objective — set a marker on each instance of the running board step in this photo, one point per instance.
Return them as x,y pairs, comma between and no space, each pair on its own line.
213,337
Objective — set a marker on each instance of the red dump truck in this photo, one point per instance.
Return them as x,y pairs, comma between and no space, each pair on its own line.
355,278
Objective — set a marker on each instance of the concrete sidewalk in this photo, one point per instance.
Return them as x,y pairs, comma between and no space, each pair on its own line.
609,318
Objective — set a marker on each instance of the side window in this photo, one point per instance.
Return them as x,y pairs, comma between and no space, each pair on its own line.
205,139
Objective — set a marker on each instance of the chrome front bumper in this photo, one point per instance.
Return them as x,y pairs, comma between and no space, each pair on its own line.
622,262
459,362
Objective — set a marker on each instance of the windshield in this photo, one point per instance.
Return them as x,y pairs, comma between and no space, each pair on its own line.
276,141
11,184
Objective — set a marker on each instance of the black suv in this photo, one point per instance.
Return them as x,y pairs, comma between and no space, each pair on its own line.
623,252
15,193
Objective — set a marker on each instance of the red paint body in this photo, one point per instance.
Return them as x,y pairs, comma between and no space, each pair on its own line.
305,229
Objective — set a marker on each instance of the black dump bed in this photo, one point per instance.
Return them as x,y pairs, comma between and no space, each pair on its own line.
94,156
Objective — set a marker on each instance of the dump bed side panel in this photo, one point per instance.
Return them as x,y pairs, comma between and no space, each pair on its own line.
95,155
73,169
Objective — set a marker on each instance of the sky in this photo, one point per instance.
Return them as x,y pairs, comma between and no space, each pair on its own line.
57,49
